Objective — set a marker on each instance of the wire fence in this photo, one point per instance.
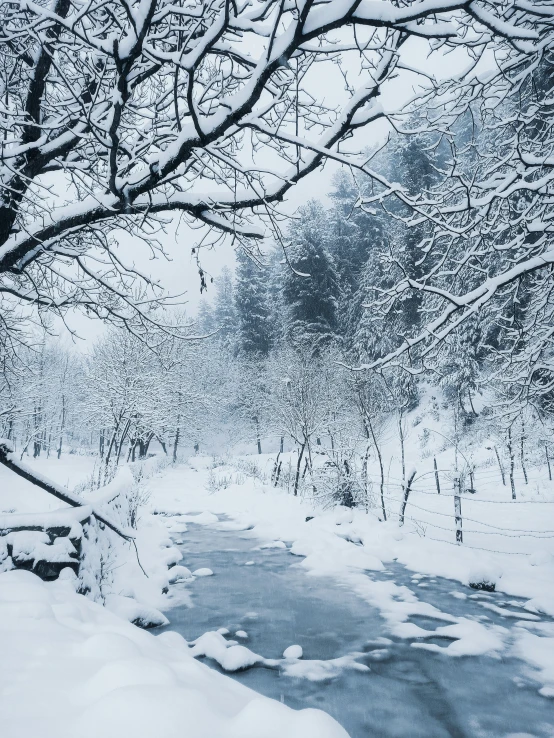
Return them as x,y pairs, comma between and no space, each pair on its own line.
460,528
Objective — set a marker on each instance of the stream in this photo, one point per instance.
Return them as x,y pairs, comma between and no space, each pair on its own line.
406,692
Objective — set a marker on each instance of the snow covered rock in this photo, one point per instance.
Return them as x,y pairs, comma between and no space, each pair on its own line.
142,615
204,572
484,576
179,573
293,652
229,657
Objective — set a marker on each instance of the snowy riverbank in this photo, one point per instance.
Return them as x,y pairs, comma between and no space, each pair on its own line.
71,665
349,544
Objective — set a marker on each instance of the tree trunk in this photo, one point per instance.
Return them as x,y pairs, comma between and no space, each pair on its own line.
298,465
381,467
500,466
62,427
407,489
176,442
522,450
402,451
512,462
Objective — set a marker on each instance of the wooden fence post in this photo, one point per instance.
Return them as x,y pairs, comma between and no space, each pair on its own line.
472,480
436,475
458,510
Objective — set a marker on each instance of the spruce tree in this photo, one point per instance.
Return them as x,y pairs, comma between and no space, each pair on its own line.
225,316
205,316
253,324
310,287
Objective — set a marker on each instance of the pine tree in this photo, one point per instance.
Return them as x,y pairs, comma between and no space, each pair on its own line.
225,316
206,323
253,324
310,287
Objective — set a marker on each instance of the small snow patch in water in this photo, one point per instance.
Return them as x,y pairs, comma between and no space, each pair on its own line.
229,657
293,652
274,544
319,671
203,573
179,574
241,634
250,563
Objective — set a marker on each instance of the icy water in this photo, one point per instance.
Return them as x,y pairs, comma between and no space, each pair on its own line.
407,693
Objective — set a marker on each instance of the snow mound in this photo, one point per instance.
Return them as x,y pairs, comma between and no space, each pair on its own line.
484,575
319,671
179,574
293,652
117,680
205,572
229,657
541,558
274,544
142,615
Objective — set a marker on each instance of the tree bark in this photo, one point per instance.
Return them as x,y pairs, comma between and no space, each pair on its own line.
407,490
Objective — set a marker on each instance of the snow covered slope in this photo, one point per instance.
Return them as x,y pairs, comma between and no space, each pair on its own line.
72,668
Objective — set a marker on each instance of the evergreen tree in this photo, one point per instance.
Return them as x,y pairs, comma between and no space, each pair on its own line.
253,324
225,316
206,322
310,288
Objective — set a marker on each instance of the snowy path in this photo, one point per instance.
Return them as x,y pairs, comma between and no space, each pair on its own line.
357,666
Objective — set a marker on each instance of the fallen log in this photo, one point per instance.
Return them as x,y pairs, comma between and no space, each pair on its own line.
8,459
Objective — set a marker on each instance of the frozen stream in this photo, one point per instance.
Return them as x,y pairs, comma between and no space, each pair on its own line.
406,693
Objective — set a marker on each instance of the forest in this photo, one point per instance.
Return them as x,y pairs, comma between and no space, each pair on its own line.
276,368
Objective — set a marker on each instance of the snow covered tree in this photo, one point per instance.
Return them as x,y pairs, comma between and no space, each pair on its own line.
310,283
205,318
225,314
254,332
115,115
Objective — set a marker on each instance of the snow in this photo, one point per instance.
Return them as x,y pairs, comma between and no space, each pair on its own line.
274,544
230,658
540,653
71,667
349,544
293,652
179,573
316,670
135,612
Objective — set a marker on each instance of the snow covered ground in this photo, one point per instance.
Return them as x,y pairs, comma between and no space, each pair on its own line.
348,544
70,665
